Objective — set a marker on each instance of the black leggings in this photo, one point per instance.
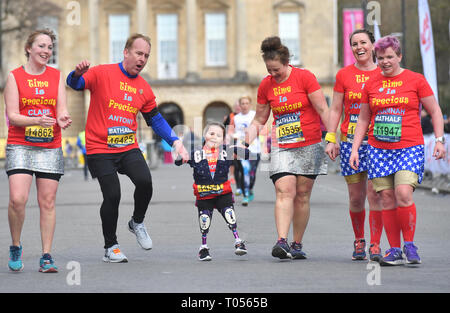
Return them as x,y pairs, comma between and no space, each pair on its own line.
139,173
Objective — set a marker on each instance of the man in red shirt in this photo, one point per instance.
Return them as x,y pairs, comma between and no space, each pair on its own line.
118,94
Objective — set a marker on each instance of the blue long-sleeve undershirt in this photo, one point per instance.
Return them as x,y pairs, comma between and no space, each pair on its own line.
74,82
160,126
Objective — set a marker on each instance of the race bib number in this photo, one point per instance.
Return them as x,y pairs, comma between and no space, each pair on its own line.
120,136
387,128
289,129
208,190
38,134
352,127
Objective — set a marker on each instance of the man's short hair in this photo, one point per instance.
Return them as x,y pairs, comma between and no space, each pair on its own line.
133,37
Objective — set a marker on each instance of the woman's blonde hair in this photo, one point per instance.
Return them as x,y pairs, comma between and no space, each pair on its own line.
245,97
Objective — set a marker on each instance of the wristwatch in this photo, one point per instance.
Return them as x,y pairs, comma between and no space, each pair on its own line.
440,139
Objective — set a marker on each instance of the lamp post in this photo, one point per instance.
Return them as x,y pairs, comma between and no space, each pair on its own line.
364,7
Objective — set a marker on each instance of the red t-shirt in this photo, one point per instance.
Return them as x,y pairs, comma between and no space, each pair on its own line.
394,104
212,156
116,99
350,81
38,96
296,122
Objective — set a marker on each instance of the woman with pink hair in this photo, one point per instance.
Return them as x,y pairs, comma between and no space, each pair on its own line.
390,107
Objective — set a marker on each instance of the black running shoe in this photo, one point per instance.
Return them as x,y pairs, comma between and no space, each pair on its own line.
296,251
281,250
203,254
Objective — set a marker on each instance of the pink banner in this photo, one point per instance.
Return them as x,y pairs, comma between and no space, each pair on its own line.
352,19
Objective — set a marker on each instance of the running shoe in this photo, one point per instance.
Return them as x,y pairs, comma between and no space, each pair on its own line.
245,201
296,251
203,254
142,236
281,249
114,255
15,258
47,265
393,256
410,251
359,252
251,196
238,192
375,253
240,248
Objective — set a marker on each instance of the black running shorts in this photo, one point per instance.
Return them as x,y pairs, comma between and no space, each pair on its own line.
102,164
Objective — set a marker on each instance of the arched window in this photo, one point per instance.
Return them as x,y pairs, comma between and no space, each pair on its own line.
172,113
216,111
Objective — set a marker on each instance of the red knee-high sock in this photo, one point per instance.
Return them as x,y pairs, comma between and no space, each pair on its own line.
407,220
392,227
358,223
376,226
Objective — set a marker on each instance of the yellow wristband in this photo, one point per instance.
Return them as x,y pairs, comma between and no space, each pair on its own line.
330,137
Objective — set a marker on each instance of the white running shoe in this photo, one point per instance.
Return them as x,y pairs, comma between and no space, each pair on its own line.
240,248
114,255
142,236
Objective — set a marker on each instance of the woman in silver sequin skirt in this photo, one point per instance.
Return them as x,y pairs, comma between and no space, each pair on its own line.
296,100
36,108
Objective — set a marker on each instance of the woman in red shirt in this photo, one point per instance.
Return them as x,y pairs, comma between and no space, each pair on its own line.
296,100
391,104
36,106
346,98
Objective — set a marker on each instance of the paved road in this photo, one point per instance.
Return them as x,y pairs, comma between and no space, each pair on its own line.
172,265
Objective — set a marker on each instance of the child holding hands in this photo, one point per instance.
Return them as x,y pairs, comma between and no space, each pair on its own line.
212,188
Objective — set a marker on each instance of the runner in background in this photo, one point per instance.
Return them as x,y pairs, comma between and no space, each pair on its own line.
247,168
235,172
81,143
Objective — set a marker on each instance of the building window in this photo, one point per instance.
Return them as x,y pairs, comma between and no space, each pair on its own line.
289,32
215,34
50,22
119,31
167,29
215,112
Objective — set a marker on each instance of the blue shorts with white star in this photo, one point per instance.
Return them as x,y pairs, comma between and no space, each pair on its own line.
346,151
384,162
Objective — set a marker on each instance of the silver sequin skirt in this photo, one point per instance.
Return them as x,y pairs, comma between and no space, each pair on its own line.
308,160
35,159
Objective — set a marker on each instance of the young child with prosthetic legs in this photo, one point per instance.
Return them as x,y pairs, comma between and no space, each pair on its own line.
212,187
224,204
